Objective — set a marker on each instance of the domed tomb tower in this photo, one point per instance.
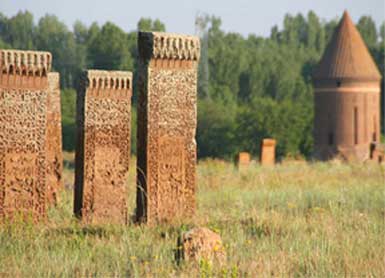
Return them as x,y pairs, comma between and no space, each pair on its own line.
347,97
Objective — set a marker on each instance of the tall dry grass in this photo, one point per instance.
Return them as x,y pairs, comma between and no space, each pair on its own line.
296,219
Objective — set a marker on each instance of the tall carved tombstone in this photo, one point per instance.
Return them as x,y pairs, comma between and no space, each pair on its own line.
54,139
103,146
23,123
167,119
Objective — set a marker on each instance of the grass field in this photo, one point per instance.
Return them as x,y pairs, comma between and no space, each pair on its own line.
297,219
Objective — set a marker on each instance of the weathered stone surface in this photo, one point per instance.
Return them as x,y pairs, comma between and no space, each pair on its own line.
54,139
201,244
167,119
243,160
268,152
346,97
23,126
103,146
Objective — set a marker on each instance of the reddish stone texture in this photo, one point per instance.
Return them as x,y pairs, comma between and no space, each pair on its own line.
23,123
167,118
243,160
347,97
377,152
268,152
54,139
103,146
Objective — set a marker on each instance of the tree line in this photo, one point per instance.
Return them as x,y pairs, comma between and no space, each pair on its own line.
249,88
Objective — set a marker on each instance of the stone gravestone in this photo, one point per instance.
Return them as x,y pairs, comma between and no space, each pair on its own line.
23,123
243,160
167,119
103,146
268,152
54,139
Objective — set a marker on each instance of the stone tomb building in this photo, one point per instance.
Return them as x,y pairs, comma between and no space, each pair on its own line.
167,120
347,97
54,138
24,92
103,146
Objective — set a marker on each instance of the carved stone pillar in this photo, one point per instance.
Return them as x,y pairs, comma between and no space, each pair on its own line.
103,146
23,125
167,119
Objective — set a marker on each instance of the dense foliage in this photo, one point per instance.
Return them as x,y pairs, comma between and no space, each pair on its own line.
249,88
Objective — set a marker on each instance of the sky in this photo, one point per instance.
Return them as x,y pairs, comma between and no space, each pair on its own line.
241,16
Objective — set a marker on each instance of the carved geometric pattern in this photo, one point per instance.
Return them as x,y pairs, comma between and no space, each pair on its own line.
23,126
103,146
167,119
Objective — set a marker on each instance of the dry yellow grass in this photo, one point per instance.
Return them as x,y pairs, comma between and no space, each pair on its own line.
296,219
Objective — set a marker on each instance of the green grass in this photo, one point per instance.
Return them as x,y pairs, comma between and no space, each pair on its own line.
296,219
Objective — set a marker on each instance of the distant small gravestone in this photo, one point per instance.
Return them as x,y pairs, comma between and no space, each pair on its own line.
103,146
268,152
243,160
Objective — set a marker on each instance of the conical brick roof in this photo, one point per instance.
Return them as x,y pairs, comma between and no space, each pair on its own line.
346,56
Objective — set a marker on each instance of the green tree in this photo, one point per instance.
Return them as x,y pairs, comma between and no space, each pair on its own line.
368,31
382,33
109,50
68,109
147,24
54,36
216,129
19,31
